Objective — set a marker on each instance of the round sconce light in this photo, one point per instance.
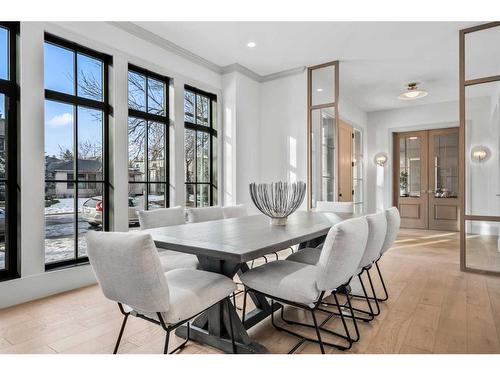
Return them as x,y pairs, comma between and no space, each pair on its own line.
480,153
380,159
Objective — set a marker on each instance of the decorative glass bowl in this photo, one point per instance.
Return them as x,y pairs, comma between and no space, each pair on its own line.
278,200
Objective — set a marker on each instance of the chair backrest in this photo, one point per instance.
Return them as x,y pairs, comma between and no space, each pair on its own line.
377,229
197,215
341,207
128,269
239,210
393,223
344,246
161,217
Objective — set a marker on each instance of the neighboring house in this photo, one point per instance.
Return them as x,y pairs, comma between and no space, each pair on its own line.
156,173
63,172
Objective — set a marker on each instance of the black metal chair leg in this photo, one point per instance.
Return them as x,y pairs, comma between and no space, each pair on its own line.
228,302
354,318
371,314
277,256
167,339
349,339
373,292
386,297
121,333
244,306
318,333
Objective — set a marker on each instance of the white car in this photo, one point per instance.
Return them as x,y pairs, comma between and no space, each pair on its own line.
92,211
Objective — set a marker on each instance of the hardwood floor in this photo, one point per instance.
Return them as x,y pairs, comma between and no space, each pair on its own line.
433,308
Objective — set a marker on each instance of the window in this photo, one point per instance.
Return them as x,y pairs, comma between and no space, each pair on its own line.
76,137
9,94
200,162
148,165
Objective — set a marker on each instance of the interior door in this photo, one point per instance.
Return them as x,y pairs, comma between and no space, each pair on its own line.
444,205
410,178
345,162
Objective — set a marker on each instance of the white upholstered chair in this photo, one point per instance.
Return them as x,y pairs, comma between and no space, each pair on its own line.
129,272
305,285
164,217
339,207
238,210
200,214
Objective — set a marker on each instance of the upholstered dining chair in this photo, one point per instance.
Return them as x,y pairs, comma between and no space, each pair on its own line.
164,217
200,214
305,285
128,269
377,229
239,210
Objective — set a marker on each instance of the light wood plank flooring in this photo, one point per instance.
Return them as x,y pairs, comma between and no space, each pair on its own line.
433,308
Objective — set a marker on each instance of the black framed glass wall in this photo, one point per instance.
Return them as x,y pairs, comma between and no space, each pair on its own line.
77,114
479,148
148,139
200,147
9,205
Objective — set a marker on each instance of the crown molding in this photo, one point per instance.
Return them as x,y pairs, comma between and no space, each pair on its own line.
157,40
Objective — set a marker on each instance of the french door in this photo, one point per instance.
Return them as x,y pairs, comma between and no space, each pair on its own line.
426,181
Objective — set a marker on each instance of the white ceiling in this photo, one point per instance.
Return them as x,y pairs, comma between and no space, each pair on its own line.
377,58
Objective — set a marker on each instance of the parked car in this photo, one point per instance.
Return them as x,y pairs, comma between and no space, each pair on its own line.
92,211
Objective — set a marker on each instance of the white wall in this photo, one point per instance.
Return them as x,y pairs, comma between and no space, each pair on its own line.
381,126
124,48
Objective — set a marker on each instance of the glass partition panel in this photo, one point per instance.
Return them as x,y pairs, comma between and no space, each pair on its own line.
482,135
483,245
323,85
445,166
323,127
482,53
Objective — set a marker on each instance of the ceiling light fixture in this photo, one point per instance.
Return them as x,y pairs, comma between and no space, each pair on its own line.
319,90
412,92
251,44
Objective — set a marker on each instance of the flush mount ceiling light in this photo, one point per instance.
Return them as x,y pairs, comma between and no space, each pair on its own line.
412,92
319,90
251,44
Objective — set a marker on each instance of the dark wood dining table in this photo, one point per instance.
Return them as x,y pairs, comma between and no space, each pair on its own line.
225,246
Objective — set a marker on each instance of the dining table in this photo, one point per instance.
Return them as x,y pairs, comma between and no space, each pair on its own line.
226,246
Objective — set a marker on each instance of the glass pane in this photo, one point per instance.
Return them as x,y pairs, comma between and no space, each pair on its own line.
358,191
90,129
214,114
409,167
136,91
59,69
90,73
203,195
90,212
323,85
156,151
190,195
156,196
3,140
483,245
3,218
136,201
59,222
482,53
189,155
202,110
323,155
446,165
189,102
136,149
203,157
156,97
4,53
214,161
59,141
482,142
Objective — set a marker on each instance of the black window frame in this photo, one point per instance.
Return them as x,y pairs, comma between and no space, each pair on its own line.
148,117
212,132
11,90
107,112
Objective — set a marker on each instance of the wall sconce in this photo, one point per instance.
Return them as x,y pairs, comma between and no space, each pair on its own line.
380,159
480,153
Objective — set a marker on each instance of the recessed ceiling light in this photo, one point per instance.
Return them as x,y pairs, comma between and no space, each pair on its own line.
251,44
319,90
412,92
